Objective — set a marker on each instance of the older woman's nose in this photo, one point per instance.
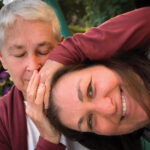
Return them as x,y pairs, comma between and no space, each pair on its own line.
33,63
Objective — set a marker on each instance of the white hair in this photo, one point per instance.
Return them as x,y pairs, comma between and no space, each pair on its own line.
28,10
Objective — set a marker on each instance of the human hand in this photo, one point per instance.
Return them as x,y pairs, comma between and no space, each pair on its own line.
46,74
34,109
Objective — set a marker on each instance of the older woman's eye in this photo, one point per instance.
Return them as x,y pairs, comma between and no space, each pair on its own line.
19,55
90,90
90,126
44,52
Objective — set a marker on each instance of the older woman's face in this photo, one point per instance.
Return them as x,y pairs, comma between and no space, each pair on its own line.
94,100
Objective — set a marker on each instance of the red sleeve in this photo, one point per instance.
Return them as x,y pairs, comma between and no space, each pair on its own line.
4,140
4,135
46,145
121,33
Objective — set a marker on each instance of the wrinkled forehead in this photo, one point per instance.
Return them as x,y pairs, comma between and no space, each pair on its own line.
20,34
20,23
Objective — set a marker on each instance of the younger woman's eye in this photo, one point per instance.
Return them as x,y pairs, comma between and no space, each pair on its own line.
90,126
90,90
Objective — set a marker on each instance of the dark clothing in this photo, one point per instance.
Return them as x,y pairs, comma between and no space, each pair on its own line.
125,142
146,133
13,126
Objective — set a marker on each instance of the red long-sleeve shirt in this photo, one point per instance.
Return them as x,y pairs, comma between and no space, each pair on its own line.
122,33
13,126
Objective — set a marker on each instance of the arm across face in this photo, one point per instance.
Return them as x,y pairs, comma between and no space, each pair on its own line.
122,33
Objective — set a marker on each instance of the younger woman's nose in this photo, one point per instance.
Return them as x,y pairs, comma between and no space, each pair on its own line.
104,106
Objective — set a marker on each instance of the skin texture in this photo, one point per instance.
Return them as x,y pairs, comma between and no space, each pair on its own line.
25,50
92,100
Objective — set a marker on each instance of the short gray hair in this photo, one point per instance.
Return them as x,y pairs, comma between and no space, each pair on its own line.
28,10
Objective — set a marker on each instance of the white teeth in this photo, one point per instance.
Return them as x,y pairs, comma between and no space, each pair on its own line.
124,106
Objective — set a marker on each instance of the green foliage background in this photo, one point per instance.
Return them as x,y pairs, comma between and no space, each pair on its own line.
89,13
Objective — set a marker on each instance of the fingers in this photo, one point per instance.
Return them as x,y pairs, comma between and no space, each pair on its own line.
37,92
46,97
33,86
35,98
40,95
47,72
31,80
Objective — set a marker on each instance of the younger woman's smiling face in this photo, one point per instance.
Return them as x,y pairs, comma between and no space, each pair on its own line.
94,100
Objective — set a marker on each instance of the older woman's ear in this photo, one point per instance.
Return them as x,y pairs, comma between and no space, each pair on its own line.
2,60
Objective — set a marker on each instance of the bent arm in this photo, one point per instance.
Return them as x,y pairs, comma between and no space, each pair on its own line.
4,140
121,33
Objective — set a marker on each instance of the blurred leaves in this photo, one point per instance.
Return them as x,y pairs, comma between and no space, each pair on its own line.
77,28
93,12
1,3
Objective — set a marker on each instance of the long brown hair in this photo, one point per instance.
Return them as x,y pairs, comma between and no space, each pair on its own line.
131,66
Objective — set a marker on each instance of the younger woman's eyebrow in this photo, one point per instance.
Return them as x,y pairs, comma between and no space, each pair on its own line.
80,122
80,95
